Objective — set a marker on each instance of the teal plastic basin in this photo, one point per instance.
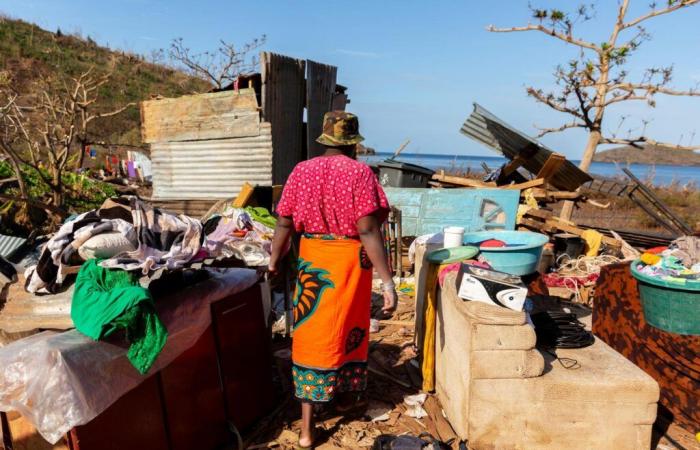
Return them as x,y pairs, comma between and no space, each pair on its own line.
520,257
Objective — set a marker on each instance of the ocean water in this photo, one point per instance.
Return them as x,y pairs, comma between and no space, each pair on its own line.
659,175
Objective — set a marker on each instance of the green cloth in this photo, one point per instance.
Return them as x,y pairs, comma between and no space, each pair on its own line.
262,215
107,300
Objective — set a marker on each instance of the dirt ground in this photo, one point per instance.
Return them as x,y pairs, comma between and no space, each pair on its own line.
392,378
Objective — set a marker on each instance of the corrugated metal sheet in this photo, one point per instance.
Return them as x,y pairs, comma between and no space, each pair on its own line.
491,131
211,169
283,99
10,244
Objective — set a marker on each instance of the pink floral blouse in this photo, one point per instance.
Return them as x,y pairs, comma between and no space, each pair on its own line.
328,194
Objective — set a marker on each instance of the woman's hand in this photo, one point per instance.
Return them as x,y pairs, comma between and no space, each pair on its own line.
390,301
272,268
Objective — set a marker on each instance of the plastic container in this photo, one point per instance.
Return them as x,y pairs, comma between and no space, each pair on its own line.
520,256
453,237
405,175
668,305
452,255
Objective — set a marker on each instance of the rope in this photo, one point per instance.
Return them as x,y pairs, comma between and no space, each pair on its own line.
576,273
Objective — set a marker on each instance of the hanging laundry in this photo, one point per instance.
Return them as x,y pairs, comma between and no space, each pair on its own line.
130,169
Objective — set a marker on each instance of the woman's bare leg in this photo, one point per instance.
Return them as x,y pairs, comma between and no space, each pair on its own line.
306,437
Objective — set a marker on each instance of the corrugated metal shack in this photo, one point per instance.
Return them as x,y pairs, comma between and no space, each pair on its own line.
204,147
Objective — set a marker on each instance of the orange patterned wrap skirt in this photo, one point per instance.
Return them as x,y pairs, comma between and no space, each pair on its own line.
331,317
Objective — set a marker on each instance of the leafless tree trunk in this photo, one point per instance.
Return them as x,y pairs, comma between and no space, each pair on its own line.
597,78
45,135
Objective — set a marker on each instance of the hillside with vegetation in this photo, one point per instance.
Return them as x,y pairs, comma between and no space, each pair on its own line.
59,92
29,54
649,155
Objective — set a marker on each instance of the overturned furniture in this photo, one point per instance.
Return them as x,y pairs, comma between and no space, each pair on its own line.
498,391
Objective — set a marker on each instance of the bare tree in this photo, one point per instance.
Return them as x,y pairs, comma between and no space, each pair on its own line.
48,134
597,79
219,67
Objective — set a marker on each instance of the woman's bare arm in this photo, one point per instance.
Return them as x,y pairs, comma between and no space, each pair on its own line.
368,228
283,232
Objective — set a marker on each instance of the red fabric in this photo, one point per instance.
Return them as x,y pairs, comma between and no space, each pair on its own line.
492,243
656,250
673,360
556,280
329,194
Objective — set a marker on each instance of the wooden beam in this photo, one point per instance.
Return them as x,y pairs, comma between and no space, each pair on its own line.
512,166
525,185
461,181
539,213
244,196
554,222
551,166
540,193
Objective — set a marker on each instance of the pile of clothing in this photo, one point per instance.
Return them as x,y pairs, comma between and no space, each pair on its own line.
245,234
677,263
113,250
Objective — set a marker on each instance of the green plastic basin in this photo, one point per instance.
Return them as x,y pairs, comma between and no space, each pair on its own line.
669,305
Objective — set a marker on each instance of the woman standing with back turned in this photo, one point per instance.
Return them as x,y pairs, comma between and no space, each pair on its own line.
338,205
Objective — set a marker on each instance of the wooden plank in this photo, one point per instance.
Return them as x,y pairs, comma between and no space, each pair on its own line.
551,166
283,99
554,222
244,196
555,195
461,181
512,166
539,213
525,185
216,115
320,86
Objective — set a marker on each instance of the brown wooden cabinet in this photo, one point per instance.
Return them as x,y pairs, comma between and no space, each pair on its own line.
225,378
245,358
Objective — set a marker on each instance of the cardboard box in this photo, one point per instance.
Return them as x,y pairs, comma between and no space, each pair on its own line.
491,286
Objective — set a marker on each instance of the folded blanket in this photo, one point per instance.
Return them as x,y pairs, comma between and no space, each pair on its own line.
161,239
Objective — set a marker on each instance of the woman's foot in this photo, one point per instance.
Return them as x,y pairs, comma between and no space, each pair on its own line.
305,441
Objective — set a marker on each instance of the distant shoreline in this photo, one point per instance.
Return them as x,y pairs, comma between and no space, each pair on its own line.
602,157
651,155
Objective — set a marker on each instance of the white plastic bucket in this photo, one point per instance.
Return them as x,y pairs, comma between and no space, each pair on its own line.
453,236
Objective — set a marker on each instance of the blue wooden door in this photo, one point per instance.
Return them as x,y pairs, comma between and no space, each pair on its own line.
425,211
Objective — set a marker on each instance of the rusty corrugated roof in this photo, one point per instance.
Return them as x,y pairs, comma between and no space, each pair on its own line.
491,131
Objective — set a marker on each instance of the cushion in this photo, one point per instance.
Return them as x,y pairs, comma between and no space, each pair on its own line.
105,245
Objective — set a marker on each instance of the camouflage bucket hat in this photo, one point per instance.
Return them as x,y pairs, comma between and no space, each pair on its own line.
340,128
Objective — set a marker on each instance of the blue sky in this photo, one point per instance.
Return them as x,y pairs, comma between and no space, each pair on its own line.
413,68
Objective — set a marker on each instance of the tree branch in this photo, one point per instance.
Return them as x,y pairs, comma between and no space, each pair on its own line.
551,32
574,124
674,5
643,141
652,89
549,101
